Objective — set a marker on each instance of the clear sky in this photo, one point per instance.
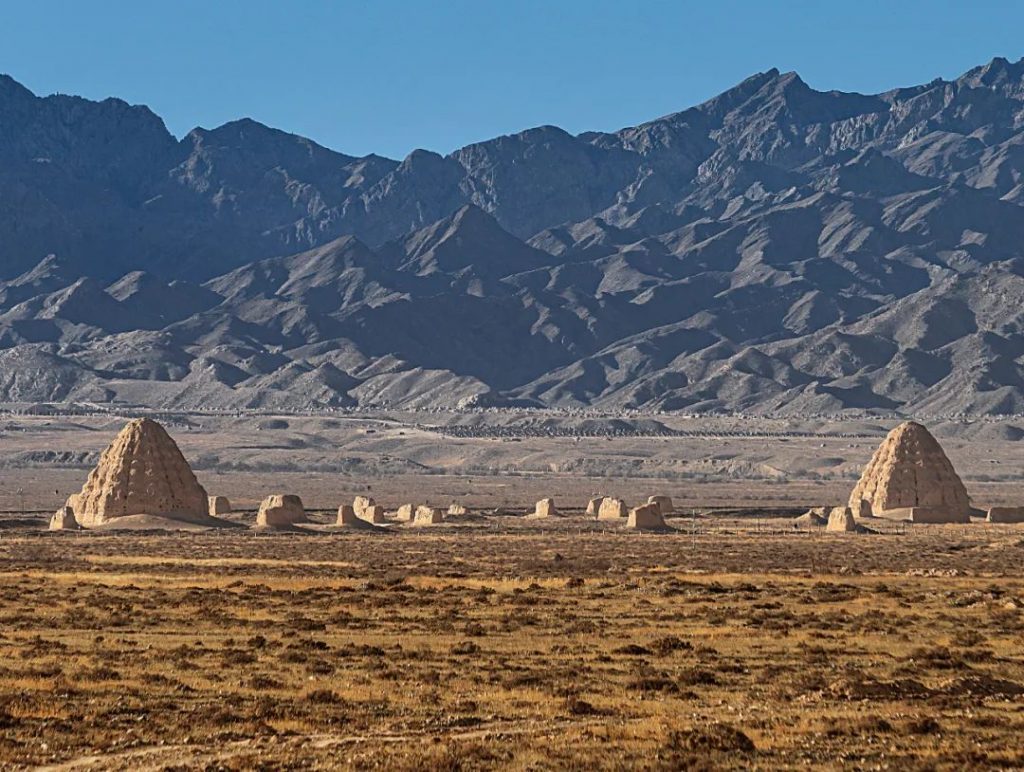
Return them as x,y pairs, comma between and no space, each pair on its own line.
388,76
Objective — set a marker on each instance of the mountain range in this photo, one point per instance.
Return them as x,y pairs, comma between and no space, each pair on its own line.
775,250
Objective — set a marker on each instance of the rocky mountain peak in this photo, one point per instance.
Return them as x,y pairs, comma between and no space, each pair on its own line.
11,90
776,249
999,73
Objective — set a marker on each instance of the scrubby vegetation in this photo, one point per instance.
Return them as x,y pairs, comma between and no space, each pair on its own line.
513,650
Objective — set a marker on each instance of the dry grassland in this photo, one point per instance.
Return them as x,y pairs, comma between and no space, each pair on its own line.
518,646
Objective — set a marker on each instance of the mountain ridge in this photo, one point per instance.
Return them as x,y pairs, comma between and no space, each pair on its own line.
774,249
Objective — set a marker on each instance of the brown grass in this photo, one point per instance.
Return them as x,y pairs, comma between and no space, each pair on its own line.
567,646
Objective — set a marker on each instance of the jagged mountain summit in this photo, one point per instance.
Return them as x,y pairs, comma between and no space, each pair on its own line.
773,250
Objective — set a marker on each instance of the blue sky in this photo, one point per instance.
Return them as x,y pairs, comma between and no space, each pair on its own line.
388,76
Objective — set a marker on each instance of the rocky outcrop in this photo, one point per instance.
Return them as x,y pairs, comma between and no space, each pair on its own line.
142,472
910,470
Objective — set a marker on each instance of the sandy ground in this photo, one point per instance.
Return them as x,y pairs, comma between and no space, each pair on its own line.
490,460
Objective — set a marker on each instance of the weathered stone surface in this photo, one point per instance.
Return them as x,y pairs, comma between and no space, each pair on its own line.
545,508
664,504
361,503
646,517
280,511
219,505
1005,515
612,509
348,519
406,512
142,472
347,515
841,519
428,516
374,514
594,505
64,520
910,470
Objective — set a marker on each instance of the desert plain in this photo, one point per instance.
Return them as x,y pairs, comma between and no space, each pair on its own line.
736,639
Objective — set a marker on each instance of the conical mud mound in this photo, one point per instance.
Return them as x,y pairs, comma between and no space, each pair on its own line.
141,473
910,476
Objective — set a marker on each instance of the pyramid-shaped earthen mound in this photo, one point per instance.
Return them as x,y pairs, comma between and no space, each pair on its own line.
141,473
908,472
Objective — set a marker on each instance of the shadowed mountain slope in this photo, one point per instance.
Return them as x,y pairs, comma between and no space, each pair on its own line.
774,250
